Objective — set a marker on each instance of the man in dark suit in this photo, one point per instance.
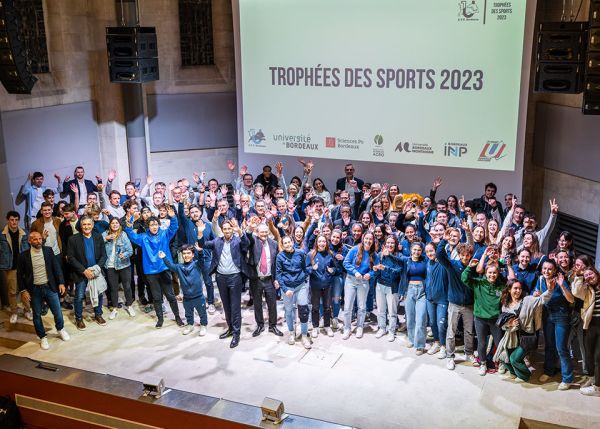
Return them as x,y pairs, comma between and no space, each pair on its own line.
40,278
347,183
263,252
228,262
84,186
84,251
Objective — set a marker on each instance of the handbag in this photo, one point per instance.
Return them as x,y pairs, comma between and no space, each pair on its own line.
528,341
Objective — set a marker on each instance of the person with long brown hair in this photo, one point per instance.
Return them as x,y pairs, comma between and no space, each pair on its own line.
589,292
359,264
118,266
320,266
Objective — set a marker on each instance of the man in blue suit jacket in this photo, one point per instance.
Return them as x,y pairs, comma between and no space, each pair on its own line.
228,262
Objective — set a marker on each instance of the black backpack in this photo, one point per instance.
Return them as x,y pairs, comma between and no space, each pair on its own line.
9,414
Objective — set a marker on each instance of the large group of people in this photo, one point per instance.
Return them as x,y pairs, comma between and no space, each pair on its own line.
447,268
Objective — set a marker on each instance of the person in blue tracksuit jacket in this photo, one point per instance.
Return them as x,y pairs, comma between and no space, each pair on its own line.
339,252
291,274
157,274
320,266
190,282
460,298
436,292
359,264
387,275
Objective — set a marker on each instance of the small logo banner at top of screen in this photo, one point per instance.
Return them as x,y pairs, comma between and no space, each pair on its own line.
492,151
256,136
468,10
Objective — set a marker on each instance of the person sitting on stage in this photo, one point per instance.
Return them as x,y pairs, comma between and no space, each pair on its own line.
229,264
156,272
190,282
40,280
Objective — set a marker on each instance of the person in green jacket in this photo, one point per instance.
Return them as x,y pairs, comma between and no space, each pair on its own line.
487,291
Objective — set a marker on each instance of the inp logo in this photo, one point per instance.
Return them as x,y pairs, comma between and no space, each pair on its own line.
256,137
402,147
493,150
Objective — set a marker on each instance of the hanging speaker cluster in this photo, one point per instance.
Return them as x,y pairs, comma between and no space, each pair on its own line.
132,54
591,89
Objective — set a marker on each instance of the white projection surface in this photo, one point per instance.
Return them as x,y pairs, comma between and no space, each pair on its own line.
434,83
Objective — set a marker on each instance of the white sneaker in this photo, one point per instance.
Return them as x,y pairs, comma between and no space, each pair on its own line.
483,370
380,333
587,382
409,345
329,331
188,330
391,337
450,364
442,353
13,318
292,339
211,309
359,332
589,391
130,311
64,335
202,331
434,349
29,315
472,360
334,322
501,369
564,386
519,380
44,343
544,378
113,314
306,342
346,334
315,333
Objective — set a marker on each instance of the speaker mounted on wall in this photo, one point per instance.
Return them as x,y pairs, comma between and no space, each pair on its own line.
132,54
591,88
560,55
15,70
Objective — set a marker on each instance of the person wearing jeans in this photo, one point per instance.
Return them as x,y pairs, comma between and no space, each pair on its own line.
556,317
85,251
339,252
40,279
388,274
320,265
292,275
415,303
436,292
359,263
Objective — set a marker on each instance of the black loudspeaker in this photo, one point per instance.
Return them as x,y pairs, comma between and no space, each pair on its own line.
15,70
560,54
591,88
132,54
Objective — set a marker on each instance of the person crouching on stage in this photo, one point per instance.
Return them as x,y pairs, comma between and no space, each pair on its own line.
291,274
190,282
40,278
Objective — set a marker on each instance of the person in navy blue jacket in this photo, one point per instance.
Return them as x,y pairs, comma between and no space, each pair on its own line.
190,236
387,275
460,298
320,266
156,272
339,252
291,274
228,262
526,272
359,264
190,282
436,292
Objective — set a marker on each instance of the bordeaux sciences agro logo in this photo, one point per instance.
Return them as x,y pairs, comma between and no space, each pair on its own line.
378,149
256,137
468,11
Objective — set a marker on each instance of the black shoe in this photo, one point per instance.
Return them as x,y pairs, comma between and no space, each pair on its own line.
234,341
226,334
259,330
179,321
143,301
66,305
159,323
274,330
